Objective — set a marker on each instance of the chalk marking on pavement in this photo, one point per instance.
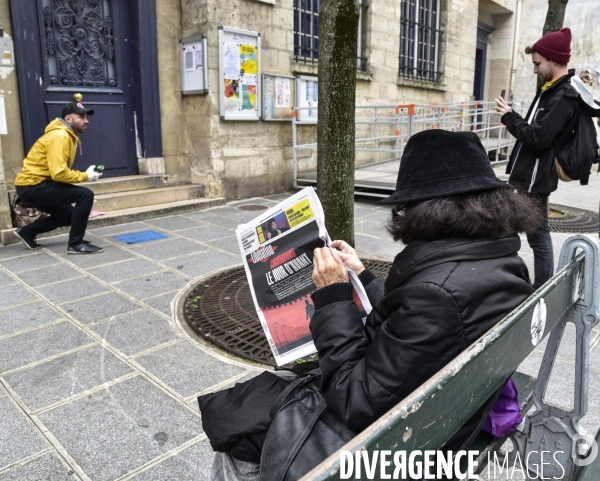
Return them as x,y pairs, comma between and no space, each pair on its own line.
87,392
48,359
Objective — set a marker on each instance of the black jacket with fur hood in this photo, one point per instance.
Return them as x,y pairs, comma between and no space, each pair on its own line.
438,298
553,113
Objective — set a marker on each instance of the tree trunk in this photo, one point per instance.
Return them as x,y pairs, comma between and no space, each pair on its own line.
338,40
554,21
555,16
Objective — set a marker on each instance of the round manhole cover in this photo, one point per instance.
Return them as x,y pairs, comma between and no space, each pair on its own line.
221,310
252,207
572,220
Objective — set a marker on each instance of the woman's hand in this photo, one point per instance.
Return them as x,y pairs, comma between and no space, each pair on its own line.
349,256
502,106
327,268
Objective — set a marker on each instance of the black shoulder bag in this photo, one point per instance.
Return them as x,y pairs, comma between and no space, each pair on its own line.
303,433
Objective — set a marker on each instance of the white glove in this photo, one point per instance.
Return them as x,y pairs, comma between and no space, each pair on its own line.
93,176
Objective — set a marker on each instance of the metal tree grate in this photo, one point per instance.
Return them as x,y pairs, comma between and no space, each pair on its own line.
221,310
573,220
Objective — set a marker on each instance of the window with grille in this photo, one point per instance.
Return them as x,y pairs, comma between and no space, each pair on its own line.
306,32
420,39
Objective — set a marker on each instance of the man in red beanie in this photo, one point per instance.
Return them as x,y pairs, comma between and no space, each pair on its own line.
548,124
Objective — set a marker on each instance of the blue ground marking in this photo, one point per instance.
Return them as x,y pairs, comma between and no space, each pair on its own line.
137,237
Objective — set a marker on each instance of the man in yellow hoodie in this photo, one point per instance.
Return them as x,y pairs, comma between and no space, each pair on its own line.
46,182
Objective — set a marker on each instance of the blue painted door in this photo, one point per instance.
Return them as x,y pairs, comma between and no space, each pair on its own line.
79,47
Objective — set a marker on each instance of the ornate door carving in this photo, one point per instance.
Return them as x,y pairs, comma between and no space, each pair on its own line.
80,43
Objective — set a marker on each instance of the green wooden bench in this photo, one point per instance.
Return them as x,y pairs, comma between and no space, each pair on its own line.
427,418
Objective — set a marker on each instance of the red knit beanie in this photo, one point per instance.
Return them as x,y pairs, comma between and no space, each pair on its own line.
555,46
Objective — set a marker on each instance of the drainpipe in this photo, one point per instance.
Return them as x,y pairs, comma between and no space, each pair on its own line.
513,68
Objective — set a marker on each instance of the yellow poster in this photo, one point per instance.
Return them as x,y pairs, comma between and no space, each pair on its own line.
299,213
249,60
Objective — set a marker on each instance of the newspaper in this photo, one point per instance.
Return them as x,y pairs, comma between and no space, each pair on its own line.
277,248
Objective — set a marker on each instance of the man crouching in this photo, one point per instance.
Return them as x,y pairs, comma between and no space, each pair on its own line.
46,182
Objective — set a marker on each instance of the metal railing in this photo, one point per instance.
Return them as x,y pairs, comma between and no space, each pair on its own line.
383,130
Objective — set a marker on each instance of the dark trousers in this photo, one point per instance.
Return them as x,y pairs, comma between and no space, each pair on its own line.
541,244
55,198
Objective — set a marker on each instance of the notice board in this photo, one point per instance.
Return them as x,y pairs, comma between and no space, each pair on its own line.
194,70
307,96
239,74
278,97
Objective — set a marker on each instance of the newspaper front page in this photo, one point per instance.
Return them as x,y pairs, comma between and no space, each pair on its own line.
277,248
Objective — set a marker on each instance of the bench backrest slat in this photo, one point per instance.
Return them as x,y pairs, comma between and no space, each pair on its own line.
423,420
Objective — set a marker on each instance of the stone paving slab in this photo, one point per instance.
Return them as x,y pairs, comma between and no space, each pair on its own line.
49,274
151,285
97,308
561,388
13,250
23,349
5,279
223,221
15,294
199,264
27,316
191,464
29,261
111,254
124,270
114,431
167,248
72,290
595,355
206,233
162,303
44,468
135,332
121,229
17,438
173,224
63,377
228,244
187,369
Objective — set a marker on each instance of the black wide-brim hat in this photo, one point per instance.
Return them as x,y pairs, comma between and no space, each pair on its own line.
439,163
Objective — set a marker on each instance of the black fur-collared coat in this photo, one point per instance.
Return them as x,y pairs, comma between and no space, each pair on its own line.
439,298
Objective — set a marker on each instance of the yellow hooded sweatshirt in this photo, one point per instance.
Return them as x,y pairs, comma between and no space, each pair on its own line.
51,158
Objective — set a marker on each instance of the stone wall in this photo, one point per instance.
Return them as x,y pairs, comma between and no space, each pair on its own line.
240,159
11,145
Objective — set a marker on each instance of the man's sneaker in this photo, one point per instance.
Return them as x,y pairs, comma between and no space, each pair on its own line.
29,241
84,248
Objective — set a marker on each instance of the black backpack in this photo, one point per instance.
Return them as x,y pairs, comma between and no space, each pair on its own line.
580,151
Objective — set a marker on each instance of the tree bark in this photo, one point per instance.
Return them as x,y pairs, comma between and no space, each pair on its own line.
555,16
338,40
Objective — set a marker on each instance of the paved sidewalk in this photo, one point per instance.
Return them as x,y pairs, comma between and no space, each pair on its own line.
98,380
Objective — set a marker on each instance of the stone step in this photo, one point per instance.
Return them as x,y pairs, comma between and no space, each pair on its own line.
137,182
139,198
123,216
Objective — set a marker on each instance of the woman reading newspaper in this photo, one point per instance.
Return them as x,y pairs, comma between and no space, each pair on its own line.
458,275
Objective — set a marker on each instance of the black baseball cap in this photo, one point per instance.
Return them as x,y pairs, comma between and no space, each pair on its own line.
75,108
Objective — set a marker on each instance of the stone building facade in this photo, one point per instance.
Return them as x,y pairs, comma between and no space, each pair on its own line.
478,52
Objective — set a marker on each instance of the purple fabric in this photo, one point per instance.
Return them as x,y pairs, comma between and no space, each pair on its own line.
505,416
